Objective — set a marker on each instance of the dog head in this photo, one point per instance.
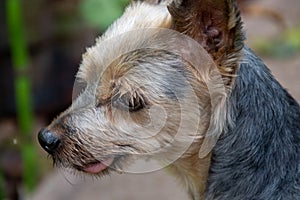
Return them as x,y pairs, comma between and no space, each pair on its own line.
154,85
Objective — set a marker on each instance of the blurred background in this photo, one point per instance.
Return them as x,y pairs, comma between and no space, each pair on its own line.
41,43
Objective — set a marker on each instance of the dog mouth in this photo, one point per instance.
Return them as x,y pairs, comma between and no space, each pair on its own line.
97,166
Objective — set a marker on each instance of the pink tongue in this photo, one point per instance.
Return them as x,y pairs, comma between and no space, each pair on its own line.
99,166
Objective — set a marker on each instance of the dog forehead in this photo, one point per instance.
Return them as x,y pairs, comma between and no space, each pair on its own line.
124,35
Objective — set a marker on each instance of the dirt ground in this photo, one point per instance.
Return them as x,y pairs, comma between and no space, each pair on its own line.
57,185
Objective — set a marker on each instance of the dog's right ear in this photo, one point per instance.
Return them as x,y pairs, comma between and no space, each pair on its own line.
216,25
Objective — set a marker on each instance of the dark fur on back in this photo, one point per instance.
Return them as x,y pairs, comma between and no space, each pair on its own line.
259,157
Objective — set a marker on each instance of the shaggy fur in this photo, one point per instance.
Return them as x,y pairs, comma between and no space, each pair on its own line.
225,127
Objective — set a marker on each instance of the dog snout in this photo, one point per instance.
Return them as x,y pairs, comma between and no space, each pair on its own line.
48,140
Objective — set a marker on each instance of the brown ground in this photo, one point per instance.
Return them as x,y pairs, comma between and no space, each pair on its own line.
159,185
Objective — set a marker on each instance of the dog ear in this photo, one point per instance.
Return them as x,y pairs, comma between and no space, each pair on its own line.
215,24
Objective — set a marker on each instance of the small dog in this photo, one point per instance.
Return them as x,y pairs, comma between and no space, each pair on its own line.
173,81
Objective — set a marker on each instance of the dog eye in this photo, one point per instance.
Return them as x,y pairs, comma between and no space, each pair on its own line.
128,103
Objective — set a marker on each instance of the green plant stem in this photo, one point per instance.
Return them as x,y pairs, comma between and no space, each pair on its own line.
2,194
20,60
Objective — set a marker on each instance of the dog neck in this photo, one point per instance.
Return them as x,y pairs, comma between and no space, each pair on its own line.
192,173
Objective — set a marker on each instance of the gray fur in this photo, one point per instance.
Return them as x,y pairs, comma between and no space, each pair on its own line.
259,157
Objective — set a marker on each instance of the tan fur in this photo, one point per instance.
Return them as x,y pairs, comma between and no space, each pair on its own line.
193,175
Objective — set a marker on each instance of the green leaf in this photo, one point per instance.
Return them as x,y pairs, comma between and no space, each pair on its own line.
101,13
293,37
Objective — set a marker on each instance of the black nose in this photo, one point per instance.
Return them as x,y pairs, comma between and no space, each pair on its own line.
48,140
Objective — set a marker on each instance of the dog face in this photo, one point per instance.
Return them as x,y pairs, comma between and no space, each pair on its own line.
154,86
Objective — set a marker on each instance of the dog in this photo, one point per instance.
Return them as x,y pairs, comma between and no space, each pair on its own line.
173,81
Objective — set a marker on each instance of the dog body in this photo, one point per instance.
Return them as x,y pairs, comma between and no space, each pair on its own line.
144,98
